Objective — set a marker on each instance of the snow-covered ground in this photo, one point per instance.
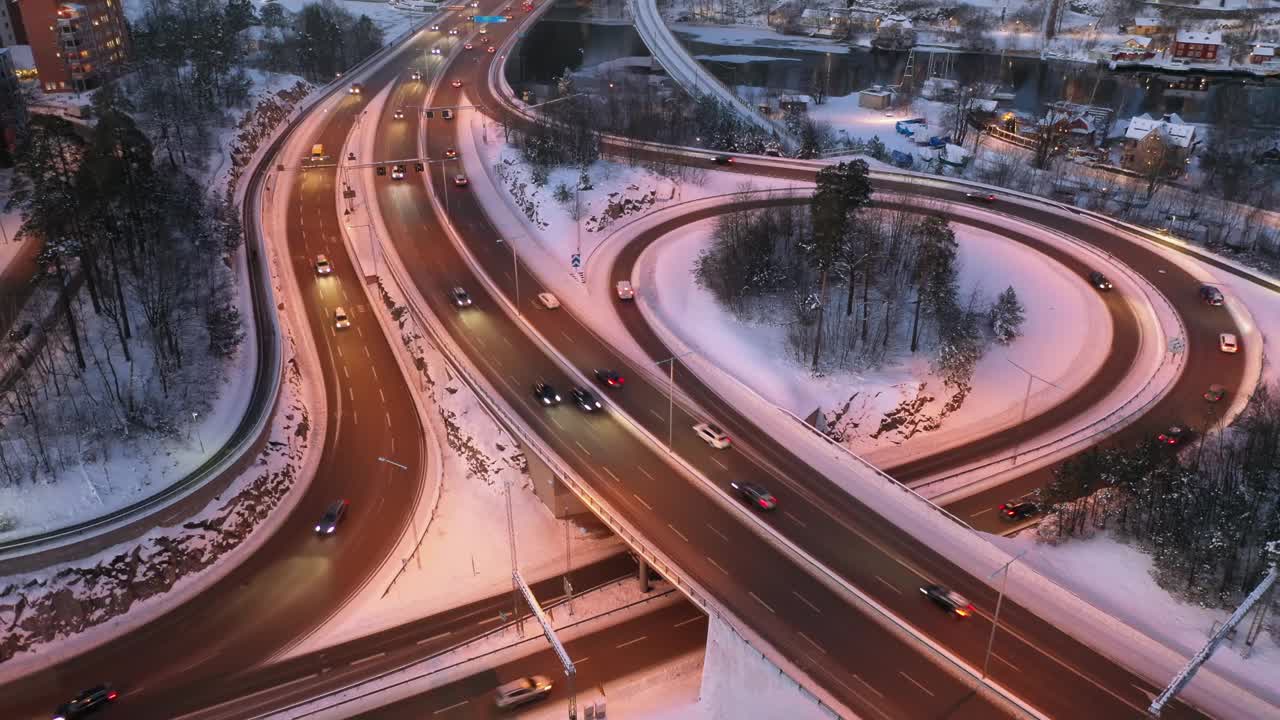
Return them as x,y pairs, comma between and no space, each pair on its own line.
1061,313
389,19
10,222
1116,578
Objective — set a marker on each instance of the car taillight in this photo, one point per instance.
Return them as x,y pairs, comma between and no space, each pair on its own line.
112,695
964,611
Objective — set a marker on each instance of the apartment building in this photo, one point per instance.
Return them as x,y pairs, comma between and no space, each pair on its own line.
76,45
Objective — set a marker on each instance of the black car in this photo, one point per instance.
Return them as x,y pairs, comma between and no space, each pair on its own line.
609,377
1210,295
981,197
546,394
756,495
722,160
460,297
1099,281
951,601
585,401
332,516
89,701
1215,393
1175,435
1018,509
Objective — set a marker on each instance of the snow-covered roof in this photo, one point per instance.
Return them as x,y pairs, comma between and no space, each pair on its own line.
1264,50
795,99
1199,38
1146,22
22,57
1172,127
896,21
1136,41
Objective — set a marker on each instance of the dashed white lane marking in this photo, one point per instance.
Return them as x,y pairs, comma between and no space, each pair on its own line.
889,585
646,472
339,349
351,393
345,372
424,641
722,535
811,642
765,604
866,684
366,351
987,510
374,370
388,416
1006,662
585,450
374,656
656,414
695,618
384,397
615,477
716,460
579,661
674,530
355,418
805,600
795,519
642,638
451,707
566,337
642,502
557,422
913,682
718,565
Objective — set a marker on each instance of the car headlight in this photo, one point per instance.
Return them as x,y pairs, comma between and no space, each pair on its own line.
557,398
330,531
597,403
317,528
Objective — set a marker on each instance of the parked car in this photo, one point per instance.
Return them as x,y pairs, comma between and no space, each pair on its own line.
548,301
460,297
609,377
585,400
546,394
524,690
1018,509
756,495
951,601
340,318
1228,343
1215,393
1099,281
1173,436
1211,295
712,435
332,516
981,197
625,291
88,701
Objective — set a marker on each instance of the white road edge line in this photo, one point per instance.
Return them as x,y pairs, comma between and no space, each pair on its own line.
757,599
913,682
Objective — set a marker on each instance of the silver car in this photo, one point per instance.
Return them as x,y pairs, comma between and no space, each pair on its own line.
524,690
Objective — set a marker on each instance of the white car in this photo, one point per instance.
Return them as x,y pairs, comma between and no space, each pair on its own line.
548,301
322,265
625,291
1227,343
340,318
436,51
524,690
712,435
397,172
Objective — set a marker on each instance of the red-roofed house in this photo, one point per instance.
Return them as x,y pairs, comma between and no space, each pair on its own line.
1197,46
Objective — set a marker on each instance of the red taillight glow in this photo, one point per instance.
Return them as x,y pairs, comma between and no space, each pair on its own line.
113,695
964,611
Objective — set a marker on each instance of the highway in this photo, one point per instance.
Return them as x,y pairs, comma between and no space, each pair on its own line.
771,592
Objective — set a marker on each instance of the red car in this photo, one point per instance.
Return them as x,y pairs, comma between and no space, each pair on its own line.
461,180
468,46
492,49
456,83
450,154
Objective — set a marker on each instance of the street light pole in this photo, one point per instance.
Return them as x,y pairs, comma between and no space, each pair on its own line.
995,622
1026,398
671,384
413,516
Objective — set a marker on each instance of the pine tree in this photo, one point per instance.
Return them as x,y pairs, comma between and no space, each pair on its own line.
1007,315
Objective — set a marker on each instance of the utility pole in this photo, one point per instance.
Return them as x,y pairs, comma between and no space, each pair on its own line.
413,517
995,622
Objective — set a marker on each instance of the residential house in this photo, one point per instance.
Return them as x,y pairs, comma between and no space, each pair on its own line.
1146,26
1197,47
894,32
1134,47
1163,146
1263,54
794,103
784,16
1076,129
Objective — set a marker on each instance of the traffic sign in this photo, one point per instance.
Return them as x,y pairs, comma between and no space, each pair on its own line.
490,19
575,260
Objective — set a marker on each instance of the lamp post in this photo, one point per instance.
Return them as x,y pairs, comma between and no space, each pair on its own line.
195,416
995,621
1026,398
413,516
671,382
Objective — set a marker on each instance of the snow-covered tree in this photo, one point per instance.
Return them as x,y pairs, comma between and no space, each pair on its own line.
1006,317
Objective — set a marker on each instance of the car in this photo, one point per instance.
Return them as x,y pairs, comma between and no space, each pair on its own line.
474,3
484,31
548,301
1173,436
1099,281
484,38
755,495
456,83
332,516
509,16
436,51
519,692
1210,295
950,600
397,172
446,114
712,435
435,28
609,377
722,160
468,46
323,267
1018,509
453,31
461,297
981,197
491,50
415,75
88,701
461,181
585,401
450,154
340,318
398,114
546,394
1215,393
1227,343
625,291
355,89
351,157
